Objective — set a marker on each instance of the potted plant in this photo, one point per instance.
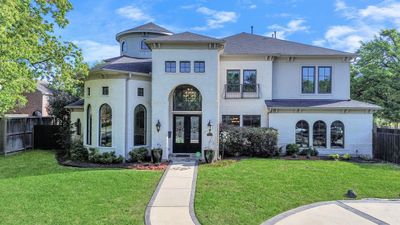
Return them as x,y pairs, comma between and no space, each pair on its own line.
156,155
209,155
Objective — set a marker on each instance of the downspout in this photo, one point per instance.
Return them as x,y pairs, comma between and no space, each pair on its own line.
126,114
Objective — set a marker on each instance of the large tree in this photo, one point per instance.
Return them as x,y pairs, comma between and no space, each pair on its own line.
30,50
375,75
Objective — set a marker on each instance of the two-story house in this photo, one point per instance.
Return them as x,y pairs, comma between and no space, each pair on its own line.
173,90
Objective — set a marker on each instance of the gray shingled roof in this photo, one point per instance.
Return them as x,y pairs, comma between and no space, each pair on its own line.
78,104
146,28
320,104
127,64
185,37
251,44
44,88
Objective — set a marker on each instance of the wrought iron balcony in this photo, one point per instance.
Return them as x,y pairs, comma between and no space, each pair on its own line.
232,91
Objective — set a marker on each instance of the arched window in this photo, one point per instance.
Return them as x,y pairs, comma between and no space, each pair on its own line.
186,98
140,125
89,125
319,134
78,126
123,46
337,134
105,122
302,133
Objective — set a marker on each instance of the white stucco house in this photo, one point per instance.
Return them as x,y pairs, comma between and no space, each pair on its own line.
172,90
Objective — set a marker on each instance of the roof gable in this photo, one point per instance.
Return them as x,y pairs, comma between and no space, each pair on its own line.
146,28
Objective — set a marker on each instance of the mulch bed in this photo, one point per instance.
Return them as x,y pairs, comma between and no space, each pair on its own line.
138,166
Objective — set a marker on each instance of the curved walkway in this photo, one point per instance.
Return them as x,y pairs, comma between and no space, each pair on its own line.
172,202
346,212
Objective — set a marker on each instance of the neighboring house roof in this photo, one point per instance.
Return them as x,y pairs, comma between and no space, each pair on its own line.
185,37
146,28
43,87
76,105
319,104
251,44
126,64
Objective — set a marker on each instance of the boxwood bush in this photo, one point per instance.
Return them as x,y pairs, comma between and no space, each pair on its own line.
138,154
78,152
103,158
292,149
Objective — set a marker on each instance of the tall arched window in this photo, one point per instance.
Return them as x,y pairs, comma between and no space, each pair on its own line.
337,134
319,134
89,125
78,126
186,98
302,133
140,125
105,122
123,46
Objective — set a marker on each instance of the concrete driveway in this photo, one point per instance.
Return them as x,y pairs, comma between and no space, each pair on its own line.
346,212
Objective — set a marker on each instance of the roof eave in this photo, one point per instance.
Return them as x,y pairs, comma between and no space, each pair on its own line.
126,32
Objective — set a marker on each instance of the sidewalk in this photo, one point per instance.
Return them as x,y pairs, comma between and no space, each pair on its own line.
172,202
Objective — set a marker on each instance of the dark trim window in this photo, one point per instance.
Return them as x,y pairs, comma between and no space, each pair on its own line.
78,127
337,134
249,80
105,90
308,79
302,134
186,98
123,46
199,66
319,134
231,120
140,91
105,124
89,125
233,80
170,66
88,91
324,79
251,120
140,125
143,45
184,66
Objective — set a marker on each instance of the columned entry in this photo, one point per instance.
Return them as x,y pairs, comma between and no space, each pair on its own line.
187,134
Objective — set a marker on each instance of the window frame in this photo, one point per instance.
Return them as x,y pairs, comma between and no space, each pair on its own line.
302,79
140,92
244,80
78,126
234,90
230,123
302,145
168,69
88,91
123,46
200,69
330,80
135,123
105,131
181,68
89,124
252,124
105,91
325,134
344,135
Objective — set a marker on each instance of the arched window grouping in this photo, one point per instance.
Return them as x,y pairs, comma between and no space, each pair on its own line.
105,122
89,125
140,125
302,133
319,134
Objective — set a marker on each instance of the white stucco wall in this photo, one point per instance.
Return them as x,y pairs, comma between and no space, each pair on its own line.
358,129
163,84
286,79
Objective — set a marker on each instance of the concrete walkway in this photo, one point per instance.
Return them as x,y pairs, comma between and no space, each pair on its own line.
172,202
346,212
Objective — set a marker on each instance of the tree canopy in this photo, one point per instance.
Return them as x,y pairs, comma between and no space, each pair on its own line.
375,75
30,50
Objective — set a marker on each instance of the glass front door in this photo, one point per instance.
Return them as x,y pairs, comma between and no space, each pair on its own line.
187,134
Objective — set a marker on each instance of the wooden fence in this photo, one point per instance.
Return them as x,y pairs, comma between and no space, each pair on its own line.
16,133
387,144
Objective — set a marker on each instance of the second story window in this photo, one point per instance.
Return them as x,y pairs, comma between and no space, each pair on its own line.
324,79
123,46
249,80
184,66
140,92
199,66
105,91
308,80
143,45
170,67
88,91
233,81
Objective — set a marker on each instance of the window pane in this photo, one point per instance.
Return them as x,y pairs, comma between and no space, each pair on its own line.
337,135
140,125
105,90
184,66
199,67
140,92
324,79
249,80
308,80
231,120
302,133
186,98
251,120
319,134
105,126
233,81
179,129
89,125
170,66
194,130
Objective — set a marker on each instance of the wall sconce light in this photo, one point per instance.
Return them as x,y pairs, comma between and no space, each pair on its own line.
209,128
158,126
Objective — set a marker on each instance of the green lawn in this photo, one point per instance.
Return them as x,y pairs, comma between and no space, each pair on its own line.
34,189
251,191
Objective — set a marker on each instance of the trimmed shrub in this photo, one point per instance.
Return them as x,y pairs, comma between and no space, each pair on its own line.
292,149
103,158
311,151
334,156
138,154
78,152
346,156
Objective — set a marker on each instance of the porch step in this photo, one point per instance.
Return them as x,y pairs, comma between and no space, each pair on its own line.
182,157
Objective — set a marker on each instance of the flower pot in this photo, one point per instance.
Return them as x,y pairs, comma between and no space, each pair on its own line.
156,155
209,155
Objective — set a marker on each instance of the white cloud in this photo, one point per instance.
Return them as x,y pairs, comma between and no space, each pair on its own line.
216,19
134,13
95,51
389,11
291,27
253,6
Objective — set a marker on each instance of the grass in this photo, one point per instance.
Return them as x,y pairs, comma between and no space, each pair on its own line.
34,189
251,191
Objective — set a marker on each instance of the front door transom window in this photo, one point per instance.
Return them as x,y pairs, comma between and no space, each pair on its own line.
186,98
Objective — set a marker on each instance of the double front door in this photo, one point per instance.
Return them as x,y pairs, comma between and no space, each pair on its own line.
187,134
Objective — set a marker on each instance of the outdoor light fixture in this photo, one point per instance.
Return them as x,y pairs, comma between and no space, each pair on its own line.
209,128
158,126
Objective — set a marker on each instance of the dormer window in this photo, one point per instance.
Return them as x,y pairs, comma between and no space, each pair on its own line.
123,46
143,45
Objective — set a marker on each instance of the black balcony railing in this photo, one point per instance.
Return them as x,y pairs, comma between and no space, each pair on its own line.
242,91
